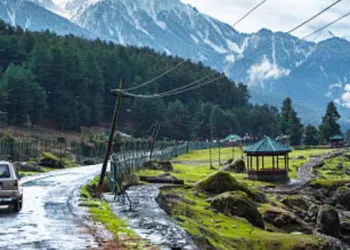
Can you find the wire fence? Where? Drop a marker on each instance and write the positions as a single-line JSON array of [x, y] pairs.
[[131, 159]]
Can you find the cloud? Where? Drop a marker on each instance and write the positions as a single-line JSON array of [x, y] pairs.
[[345, 98], [265, 70], [277, 15]]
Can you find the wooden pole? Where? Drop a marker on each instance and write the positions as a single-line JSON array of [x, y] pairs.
[[112, 130], [154, 137]]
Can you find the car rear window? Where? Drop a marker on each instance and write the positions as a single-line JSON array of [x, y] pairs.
[[4, 172]]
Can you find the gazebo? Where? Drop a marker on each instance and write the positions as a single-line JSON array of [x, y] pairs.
[[336, 141], [257, 155]]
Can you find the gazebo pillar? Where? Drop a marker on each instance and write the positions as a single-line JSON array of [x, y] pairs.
[[277, 158]]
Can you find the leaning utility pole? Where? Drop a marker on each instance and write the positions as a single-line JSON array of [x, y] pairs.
[[154, 137], [112, 130]]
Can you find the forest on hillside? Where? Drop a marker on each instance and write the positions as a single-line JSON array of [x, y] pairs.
[[68, 80]]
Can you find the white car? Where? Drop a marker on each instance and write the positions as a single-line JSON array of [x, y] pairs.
[[11, 192]]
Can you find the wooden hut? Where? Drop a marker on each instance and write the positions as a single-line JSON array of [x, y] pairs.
[[336, 141], [268, 160]]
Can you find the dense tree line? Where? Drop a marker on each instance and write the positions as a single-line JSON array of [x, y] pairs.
[[68, 80]]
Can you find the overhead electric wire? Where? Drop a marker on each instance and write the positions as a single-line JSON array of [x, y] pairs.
[[188, 85], [315, 16], [249, 12], [156, 78], [161, 95], [326, 26]]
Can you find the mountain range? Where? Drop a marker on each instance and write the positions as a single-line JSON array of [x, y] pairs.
[[273, 64]]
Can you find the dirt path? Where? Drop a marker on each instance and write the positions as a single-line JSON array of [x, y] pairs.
[[51, 217]]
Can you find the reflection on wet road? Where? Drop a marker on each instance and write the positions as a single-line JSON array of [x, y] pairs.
[[50, 218]]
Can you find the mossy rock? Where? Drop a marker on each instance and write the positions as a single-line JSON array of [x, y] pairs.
[[296, 201], [28, 167], [328, 220], [237, 166], [219, 182], [238, 204], [51, 161]]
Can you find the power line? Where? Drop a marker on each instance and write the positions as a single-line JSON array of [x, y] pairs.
[[188, 85], [161, 95], [315, 16], [156, 78], [326, 26], [249, 12]]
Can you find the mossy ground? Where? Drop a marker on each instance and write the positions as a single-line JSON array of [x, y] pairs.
[[192, 211], [101, 212], [223, 232]]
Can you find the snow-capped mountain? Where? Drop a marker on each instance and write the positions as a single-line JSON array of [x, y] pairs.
[[274, 65], [35, 15]]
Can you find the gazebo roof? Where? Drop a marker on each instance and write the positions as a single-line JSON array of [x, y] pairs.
[[233, 137], [267, 145], [336, 137]]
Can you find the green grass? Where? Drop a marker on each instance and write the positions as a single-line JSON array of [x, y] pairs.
[[224, 232], [200, 156], [101, 212]]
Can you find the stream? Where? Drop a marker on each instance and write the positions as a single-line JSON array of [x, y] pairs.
[[148, 220]]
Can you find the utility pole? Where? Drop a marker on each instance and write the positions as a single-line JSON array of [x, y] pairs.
[[112, 130], [154, 137], [211, 140]]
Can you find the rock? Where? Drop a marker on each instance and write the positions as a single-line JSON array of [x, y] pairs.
[[286, 221], [89, 162], [300, 157], [27, 167], [219, 182], [347, 172], [51, 161], [237, 166], [328, 221], [345, 227], [229, 161], [313, 210], [165, 166], [342, 197], [238, 204], [296, 202], [339, 166]]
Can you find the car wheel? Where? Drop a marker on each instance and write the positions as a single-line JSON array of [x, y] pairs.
[[18, 204]]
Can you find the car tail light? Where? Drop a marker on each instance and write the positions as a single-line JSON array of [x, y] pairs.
[[15, 185]]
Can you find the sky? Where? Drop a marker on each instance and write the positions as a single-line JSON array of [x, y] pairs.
[[279, 15]]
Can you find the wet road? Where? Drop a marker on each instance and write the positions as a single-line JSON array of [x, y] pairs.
[[51, 217]]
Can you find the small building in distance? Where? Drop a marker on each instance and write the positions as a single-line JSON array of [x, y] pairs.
[[336, 141], [268, 160]]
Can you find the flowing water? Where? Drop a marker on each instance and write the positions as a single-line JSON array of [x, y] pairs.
[[148, 220]]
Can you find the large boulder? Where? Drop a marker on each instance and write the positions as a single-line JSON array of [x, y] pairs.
[[297, 202], [219, 182], [328, 220], [51, 161], [286, 221], [28, 167], [342, 197], [165, 166], [238, 204], [236, 166]]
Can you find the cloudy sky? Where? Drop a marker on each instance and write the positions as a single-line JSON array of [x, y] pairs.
[[279, 15]]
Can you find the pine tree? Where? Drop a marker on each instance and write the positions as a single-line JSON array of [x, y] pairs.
[[25, 99], [329, 126], [310, 135]]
